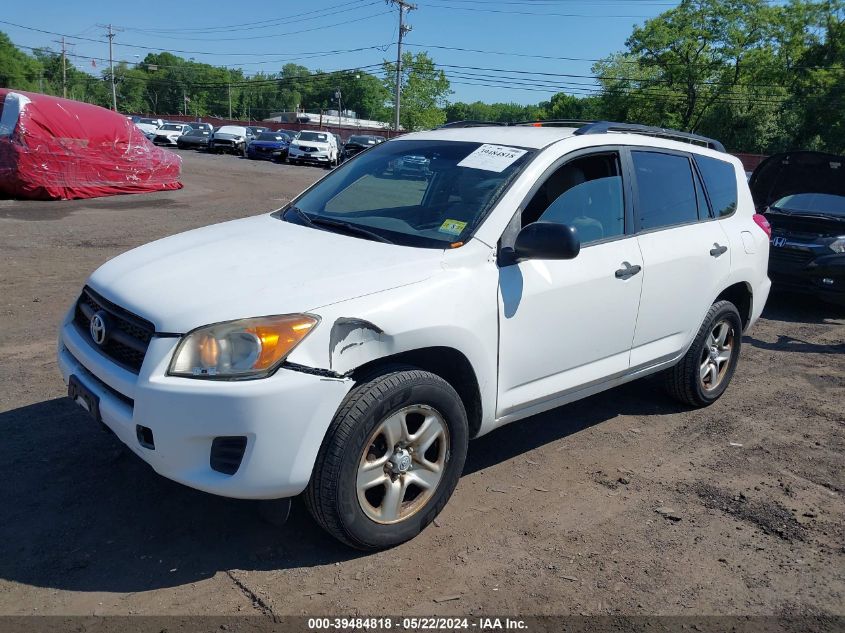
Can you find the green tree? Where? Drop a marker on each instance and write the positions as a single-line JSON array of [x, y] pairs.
[[424, 91], [17, 69]]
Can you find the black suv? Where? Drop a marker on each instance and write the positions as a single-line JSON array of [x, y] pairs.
[[802, 194]]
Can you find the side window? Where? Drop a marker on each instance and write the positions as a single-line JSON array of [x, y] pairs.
[[720, 180], [666, 190], [585, 193]]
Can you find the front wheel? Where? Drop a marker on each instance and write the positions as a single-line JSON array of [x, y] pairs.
[[390, 460], [705, 371]]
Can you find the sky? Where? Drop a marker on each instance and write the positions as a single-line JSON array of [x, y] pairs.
[[519, 51]]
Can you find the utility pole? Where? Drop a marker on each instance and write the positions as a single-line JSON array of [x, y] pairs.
[[110, 34], [64, 69], [403, 29], [64, 66], [230, 101], [337, 95]]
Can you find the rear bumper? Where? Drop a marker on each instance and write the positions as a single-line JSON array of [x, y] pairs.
[[283, 418]]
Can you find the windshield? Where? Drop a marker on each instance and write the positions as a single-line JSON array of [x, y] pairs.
[[149, 121], [171, 126], [822, 203], [272, 136], [362, 140], [199, 132], [314, 137], [417, 193]]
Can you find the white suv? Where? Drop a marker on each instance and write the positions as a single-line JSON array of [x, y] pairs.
[[349, 345], [316, 148]]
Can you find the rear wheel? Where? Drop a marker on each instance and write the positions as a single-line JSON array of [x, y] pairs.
[[705, 371], [391, 459]]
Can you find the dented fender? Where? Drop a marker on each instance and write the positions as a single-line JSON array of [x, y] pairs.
[[455, 308]]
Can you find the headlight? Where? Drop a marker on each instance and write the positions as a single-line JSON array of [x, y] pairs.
[[838, 245], [247, 348]]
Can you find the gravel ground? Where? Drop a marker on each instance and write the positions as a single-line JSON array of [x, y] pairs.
[[624, 503]]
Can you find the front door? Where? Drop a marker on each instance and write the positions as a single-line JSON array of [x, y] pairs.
[[566, 324]]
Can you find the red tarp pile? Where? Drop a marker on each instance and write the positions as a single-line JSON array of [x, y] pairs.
[[53, 148]]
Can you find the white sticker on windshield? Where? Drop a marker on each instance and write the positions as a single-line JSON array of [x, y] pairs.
[[492, 158]]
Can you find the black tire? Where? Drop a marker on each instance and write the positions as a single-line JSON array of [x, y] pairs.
[[332, 495], [683, 381]]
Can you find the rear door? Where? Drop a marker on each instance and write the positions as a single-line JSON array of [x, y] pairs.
[[685, 251]]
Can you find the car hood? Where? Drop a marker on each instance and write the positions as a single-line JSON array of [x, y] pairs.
[[226, 136], [146, 127], [797, 172], [253, 267]]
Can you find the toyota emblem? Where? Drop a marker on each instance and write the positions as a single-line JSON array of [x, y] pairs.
[[97, 327]]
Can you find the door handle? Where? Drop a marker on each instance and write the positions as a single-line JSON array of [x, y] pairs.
[[627, 271], [717, 250]]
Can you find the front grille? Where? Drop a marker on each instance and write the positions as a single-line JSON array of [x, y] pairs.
[[128, 335], [223, 141]]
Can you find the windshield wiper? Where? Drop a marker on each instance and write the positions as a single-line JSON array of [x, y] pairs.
[[348, 226], [301, 215], [315, 220]]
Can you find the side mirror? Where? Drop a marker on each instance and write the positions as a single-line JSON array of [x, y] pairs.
[[546, 240]]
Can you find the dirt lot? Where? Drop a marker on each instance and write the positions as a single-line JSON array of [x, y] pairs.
[[556, 515]]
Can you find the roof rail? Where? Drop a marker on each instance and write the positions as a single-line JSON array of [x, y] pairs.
[[455, 124], [555, 123], [603, 127]]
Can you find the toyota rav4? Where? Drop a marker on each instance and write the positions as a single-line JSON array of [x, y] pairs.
[[348, 345]]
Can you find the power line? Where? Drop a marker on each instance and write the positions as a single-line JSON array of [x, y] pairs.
[[262, 24]]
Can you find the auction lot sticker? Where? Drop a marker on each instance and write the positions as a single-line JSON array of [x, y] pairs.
[[492, 158]]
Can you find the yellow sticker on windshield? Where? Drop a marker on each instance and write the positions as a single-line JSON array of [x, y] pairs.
[[452, 227]]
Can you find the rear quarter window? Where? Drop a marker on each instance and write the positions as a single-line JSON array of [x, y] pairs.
[[720, 181]]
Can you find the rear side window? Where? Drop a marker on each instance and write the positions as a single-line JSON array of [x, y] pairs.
[[665, 190], [720, 181]]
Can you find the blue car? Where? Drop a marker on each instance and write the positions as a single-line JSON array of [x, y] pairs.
[[269, 146]]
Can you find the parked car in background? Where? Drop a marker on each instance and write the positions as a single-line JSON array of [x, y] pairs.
[[316, 148], [348, 345], [269, 146], [149, 126], [411, 166], [194, 139], [201, 126], [169, 133], [356, 144], [255, 130], [802, 195], [60, 149], [230, 138]]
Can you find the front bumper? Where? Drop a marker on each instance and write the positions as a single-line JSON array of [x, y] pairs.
[[283, 417], [822, 276], [225, 146], [309, 157], [166, 140], [266, 153]]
